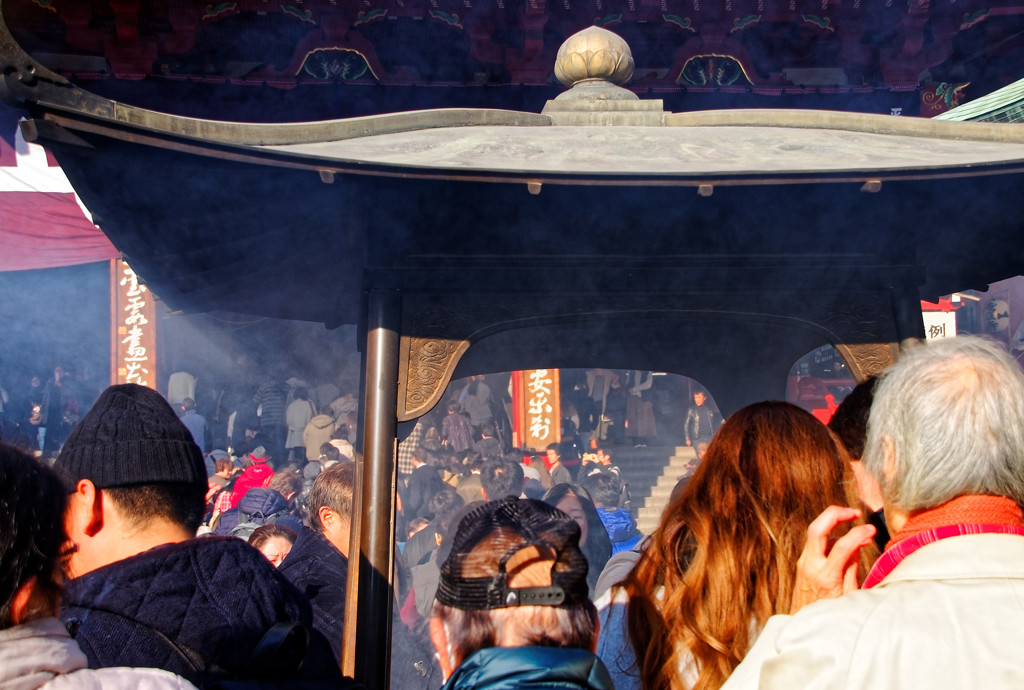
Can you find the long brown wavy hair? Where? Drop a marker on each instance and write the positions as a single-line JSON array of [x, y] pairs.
[[723, 558]]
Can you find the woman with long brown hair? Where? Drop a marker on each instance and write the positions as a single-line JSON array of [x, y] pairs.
[[723, 558]]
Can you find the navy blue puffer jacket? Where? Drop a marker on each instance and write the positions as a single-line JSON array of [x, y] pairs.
[[197, 608]]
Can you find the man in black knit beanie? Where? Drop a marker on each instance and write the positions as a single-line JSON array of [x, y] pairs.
[[142, 590]]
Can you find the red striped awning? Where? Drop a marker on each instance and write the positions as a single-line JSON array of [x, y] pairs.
[[42, 224]]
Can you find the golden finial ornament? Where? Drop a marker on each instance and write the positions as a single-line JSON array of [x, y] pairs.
[[594, 53]]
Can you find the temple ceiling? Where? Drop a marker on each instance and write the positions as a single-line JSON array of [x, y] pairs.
[[915, 58]]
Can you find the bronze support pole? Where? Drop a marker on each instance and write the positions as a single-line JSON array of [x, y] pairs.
[[370, 594]]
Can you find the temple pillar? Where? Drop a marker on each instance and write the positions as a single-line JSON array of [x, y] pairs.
[[370, 596]]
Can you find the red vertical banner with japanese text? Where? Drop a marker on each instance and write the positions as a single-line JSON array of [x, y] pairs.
[[538, 414], [133, 336]]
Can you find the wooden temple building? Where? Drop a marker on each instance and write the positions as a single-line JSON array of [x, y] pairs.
[[508, 185]]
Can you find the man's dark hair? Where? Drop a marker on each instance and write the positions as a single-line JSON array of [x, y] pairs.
[[425, 455], [471, 461], [332, 488], [850, 420], [487, 429], [500, 479], [604, 488], [555, 447], [443, 504], [178, 503], [264, 533], [330, 452], [32, 502], [301, 394]]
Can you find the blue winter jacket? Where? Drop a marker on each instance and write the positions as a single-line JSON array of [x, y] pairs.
[[197, 608], [256, 506], [622, 529], [320, 572]]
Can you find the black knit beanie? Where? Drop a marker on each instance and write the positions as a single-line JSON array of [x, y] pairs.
[[129, 437]]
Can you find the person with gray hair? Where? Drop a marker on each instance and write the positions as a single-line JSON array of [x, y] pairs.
[[943, 607]]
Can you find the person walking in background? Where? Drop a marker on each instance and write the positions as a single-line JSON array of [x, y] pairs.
[[559, 473], [456, 431], [318, 432], [194, 422], [702, 421], [270, 399], [180, 385], [476, 401], [606, 491], [298, 415], [59, 410]]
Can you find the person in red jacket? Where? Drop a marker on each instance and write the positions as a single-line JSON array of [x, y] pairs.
[[255, 476]]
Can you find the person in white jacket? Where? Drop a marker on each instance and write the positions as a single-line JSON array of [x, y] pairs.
[[298, 414], [36, 650], [943, 607]]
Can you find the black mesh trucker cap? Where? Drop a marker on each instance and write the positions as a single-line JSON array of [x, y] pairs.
[[495, 536]]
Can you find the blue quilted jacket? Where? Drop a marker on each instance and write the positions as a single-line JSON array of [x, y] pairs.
[[320, 572], [257, 505], [197, 608], [621, 527]]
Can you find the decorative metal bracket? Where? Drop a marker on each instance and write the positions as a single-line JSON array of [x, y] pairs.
[[867, 359], [424, 370]]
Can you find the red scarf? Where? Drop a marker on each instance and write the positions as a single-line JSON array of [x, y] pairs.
[[962, 515]]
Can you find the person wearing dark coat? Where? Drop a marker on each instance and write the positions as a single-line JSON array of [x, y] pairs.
[[489, 447], [197, 608], [320, 571], [141, 590], [424, 483], [318, 562], [702, 421], [260, 506]]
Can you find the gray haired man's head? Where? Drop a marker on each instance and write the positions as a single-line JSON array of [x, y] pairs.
[[948, 420]]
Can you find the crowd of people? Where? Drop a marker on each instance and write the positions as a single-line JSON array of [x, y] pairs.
[[38, 411], [883, 550]]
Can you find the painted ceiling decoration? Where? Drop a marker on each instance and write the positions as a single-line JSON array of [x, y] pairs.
[[335, 63], [713, 70], [945, 52]]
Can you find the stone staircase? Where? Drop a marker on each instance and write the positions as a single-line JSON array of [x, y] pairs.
[[652, 473]]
